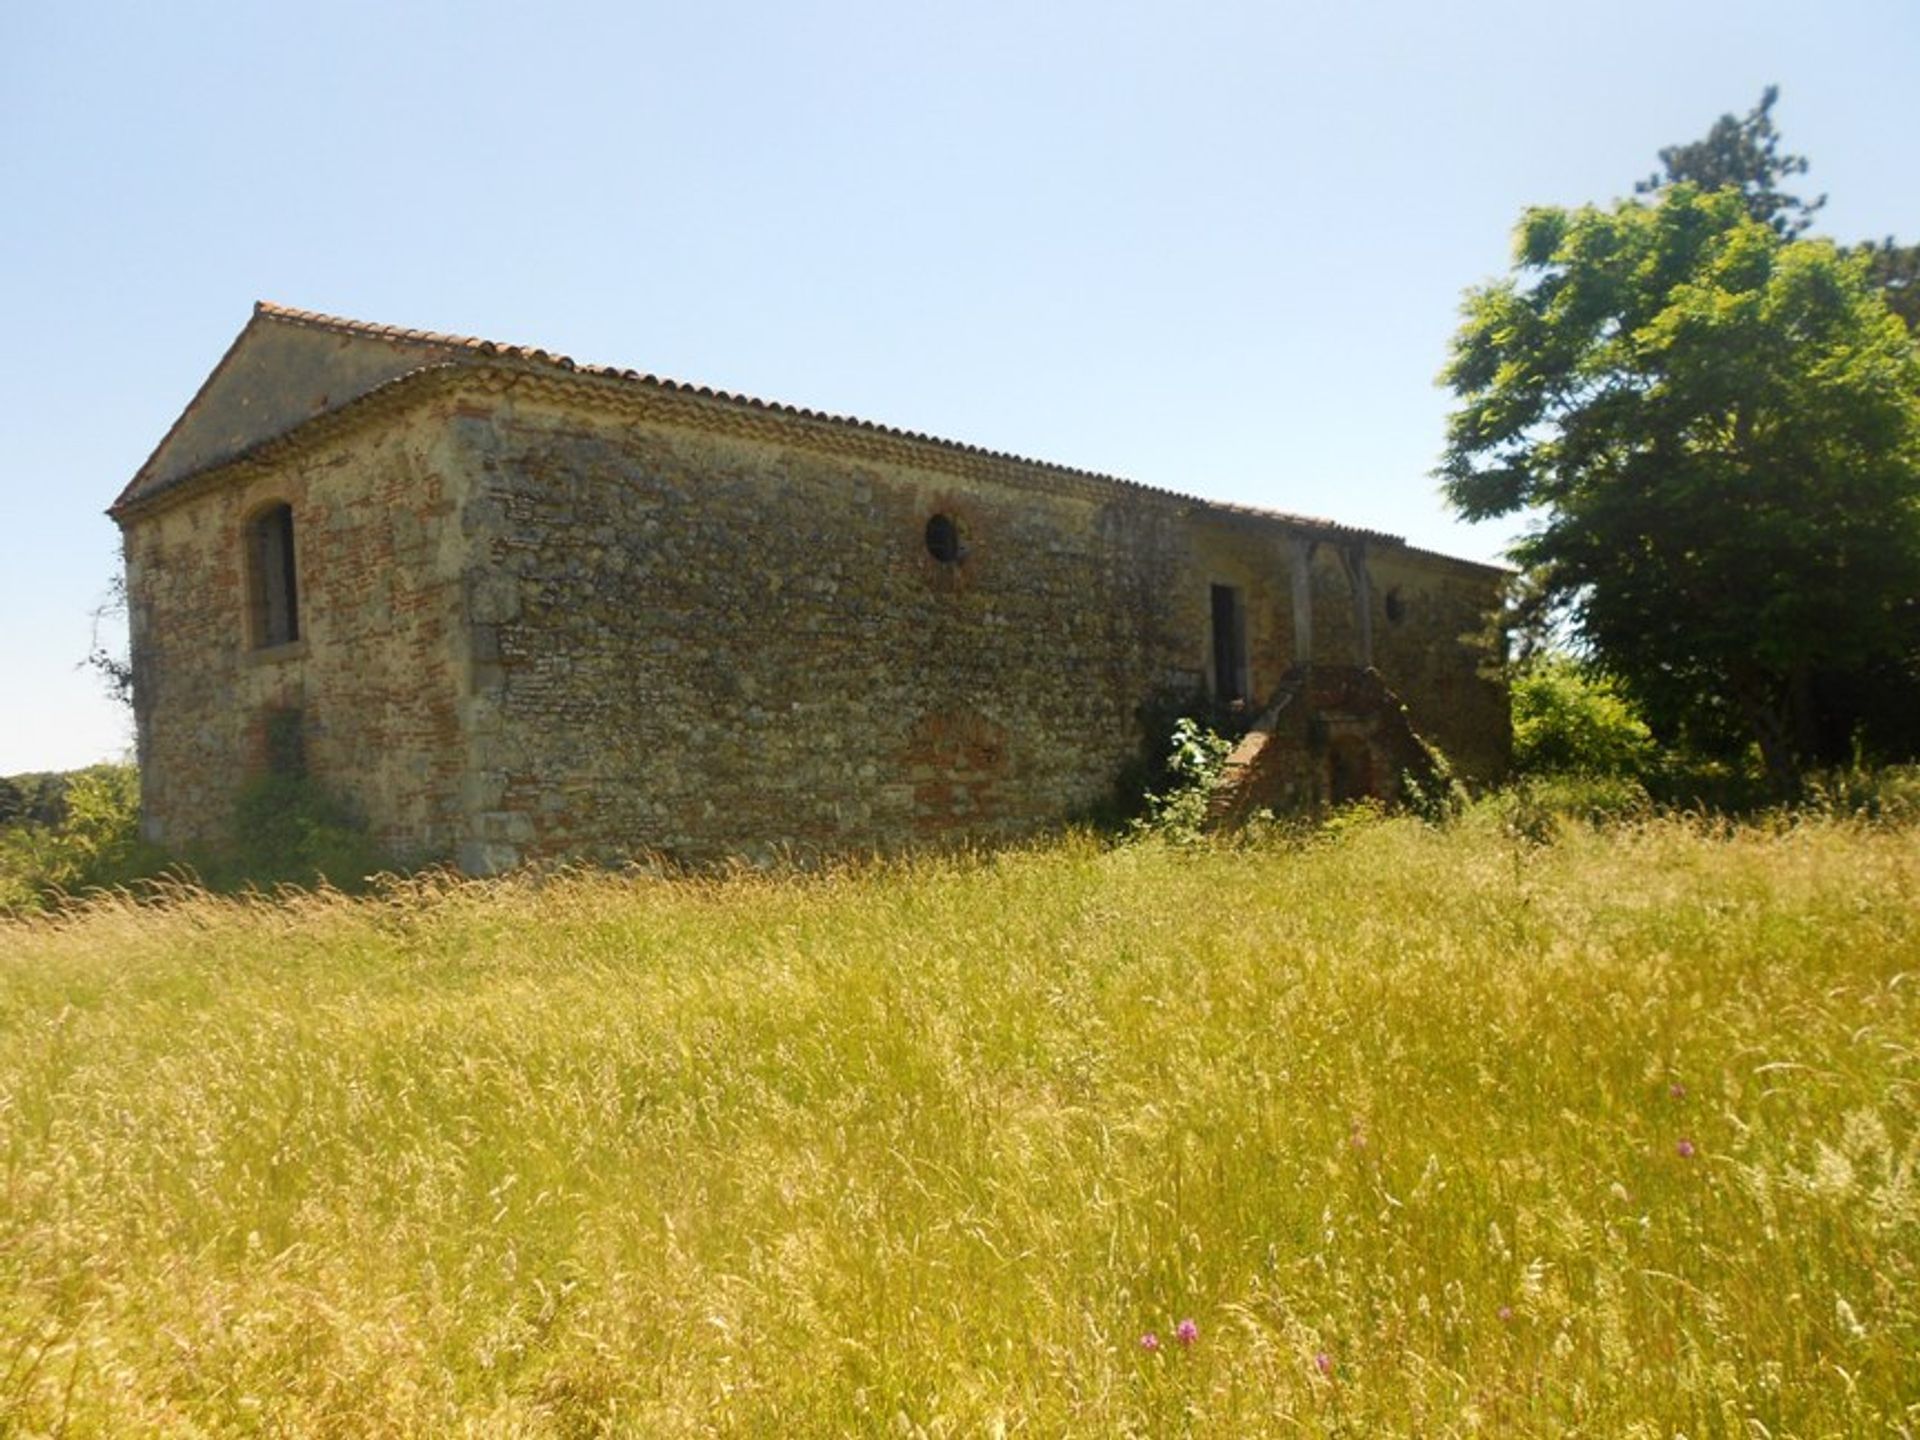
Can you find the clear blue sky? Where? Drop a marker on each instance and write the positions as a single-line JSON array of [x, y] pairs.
[[1216, 247]]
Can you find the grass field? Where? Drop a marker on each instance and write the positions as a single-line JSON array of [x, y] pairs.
[[1425, 1131]]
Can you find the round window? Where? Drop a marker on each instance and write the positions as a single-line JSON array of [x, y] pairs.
[[943, 540]]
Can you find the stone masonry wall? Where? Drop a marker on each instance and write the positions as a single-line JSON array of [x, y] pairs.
[[1253, 559], [1430, 617], [714, 644], [1428, 612], [374, 677]]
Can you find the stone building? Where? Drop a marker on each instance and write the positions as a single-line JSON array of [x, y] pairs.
[[513, 607]]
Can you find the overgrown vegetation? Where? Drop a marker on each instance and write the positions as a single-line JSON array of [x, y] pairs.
[[39, 798], [290, 830], [1567, 720], [1580, 748], [1196, 759], [1433, 1130], [78, 832], [1154, 769]]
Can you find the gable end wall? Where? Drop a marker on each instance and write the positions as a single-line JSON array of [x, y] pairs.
[[375, 676]]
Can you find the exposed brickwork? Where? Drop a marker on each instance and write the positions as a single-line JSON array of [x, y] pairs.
[[1332, 734], [374, 675]]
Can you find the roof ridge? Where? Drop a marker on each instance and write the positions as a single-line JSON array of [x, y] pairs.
[[347, 325]]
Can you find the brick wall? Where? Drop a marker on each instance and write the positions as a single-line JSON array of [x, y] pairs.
[[373, 678]]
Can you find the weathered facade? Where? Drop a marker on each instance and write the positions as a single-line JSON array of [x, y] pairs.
[[516, 608]]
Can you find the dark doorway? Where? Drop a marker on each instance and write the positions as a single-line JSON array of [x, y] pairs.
[[1349, 771], [1229, 645]]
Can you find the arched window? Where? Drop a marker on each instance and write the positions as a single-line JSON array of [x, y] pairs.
[[273, 597]]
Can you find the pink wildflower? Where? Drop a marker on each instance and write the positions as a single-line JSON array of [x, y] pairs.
[[1150, 1342], [1684, 1149], [1186, 1332], [1323, 1362], [1506, 1313]]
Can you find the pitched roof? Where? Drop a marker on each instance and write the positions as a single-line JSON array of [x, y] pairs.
[[253, 398]]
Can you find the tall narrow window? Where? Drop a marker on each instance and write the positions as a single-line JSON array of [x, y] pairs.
[[274, 597], [1229, 644]]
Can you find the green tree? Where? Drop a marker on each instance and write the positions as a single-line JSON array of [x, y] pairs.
[[1718, 430], [95, 841], [1742, 155]]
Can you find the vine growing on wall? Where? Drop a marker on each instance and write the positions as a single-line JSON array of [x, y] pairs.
[[108, 661]]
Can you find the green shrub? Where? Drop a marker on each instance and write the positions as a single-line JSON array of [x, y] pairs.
[[1196, 758], [1435, 795], [1890, 795], [38, 797], [1567, 720], [1147, 772], [95, 844], [1537, 810], [1690, 781], [289, 830], [1594, 799]]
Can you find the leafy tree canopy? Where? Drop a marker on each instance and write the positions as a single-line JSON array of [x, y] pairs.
[[1718, 430], [1895, 269], [1742, 155]]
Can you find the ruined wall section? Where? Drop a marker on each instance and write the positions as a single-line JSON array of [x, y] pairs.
[[1422, 606], [715, 642], [1430, 623], [372, 682]]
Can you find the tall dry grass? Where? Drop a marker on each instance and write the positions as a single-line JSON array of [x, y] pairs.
[[1434, 1132]]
